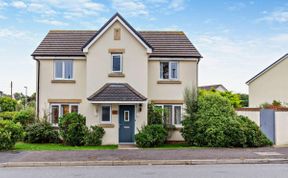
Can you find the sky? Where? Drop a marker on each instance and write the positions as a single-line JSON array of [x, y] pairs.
[[237, 39]]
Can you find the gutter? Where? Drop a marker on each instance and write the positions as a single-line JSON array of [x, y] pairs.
[[38, 86]]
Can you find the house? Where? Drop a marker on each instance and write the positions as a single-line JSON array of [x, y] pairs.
[[111, 75], [270, 84], [218, 87]]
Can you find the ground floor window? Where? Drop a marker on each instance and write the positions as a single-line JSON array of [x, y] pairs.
[[106, 114], [58, 110], [173, 113]]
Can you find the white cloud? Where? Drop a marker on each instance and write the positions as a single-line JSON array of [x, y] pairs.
[[9, 33], [2, 17], [3, 4], [235, 6], [41, 9], [18, 4], [177, 5], [52, 22], [130, 7], [280, 15], [234, 61]]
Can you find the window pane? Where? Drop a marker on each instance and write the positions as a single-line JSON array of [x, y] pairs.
[[164, 70], [173, 70], [55, 115], [58, 69], [64, 109], [106, 113], [177, 114], [68, 72], [74, 108], [126, 116], [168, 114], [117, 63]]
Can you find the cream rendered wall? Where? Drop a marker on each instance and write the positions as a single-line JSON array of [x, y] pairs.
[[187, 75], [252, 115], [135, 68], [272, 85], [281, 124], [49, 90]]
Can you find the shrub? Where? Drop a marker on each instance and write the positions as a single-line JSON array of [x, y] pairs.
[[94, 136], [151, 136], [155, 114], [254, 136], [73, 129], [216, 124], [25, 117], [7, 115], [41, 132], [7, 104], [10, 133]]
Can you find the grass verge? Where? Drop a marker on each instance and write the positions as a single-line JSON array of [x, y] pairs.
[[59, 147]]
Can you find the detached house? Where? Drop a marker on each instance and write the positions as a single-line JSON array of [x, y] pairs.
[[270, 84], [111, 75]]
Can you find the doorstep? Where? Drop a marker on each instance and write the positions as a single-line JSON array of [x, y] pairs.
[[126, 146]]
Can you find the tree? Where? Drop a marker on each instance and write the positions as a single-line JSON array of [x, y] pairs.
[[7, 104], [244, 99]]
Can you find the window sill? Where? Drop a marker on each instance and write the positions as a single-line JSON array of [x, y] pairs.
[[169, 82], [107, 125], [116, 74], [63, 81]]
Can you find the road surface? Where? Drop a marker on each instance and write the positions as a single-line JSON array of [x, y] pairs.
[[199, 171]]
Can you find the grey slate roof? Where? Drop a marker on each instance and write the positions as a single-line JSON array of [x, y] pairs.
[[209, 87], [70, 43], [117, 92]]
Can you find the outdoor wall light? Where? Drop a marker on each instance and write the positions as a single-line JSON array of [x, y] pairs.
[[140, 107]]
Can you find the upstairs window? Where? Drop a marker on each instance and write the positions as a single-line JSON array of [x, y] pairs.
[[169, 70], [116, 62], [63, 69]]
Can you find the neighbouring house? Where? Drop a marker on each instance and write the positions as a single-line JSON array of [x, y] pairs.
[[111, 75], [270, 84], [1, 93], [218, 87]]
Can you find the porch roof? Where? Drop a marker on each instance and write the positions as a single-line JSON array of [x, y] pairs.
[[117, 92]]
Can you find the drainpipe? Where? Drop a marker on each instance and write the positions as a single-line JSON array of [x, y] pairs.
[[38, 87]]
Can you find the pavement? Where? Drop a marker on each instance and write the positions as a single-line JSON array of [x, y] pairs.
[[145, 157]]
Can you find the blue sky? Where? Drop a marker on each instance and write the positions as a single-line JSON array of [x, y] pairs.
[[237, 38]]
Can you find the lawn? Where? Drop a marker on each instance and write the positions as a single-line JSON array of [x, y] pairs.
[[59, 147]]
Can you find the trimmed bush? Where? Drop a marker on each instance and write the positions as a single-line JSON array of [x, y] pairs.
[[151, 136], [41, 132], [8, 115], [10, 133], [73, 129], [7, 104], [25, 117], [94, 136]]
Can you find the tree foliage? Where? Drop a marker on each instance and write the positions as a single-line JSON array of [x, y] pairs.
[[7, 104]]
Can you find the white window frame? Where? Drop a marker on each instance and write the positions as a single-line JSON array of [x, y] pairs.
[[63, 70], [173, 112], [110, 119], [170, 71], [60, 113], [121, 62]]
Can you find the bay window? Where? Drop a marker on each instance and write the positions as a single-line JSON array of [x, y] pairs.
[[172, 113]]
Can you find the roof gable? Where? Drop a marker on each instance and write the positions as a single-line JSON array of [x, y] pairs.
[[108, 24], [267, 69]]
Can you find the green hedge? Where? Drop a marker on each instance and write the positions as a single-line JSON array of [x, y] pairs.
[[94, 136], [10, 133], [216, 125], [151, 136], [41, 132]]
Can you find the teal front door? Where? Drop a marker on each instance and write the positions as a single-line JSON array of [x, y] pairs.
[[126, 123]]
